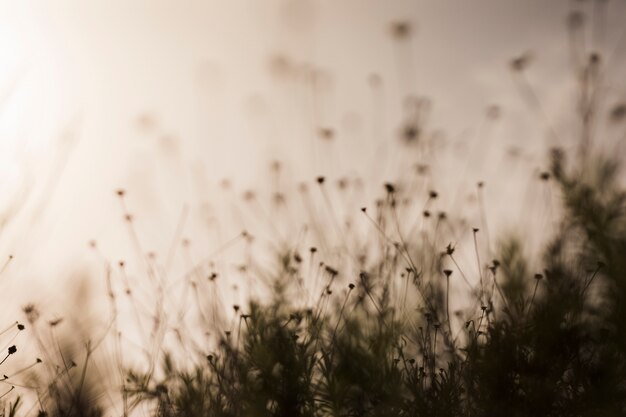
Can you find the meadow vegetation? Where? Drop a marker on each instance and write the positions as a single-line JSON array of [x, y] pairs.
[[380, 319]]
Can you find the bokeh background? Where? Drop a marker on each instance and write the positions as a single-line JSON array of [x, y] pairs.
[[186, 104]]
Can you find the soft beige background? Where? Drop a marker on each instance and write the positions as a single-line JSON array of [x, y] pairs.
[[168, 98]]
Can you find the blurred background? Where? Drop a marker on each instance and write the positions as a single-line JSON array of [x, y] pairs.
[[185, 105]]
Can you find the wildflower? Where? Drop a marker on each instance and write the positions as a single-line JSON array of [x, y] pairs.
[[520, 63], [280, 66], [55, 322], [279, 198], [422, 169], [401, 30], [410, 132], [31, 312], [331, 271], [493, 112], [248, 195], [494, 266], [326, 133], [618, 113], [575, 20]]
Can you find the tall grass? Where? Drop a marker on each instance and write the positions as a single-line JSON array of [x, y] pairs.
[[370, 311]]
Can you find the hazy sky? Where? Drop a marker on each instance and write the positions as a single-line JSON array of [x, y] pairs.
[[166, 98]]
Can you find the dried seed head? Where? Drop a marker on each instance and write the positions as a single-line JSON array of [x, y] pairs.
[[520, 63], [326, 133], [248, 195], [32, 314], [422, 169], [279, 198], [401, 30], [447, 272], [618, 113], [55, 322], [411, 132], [575, 20], [493, 112], [275, 166], [330, 270]]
